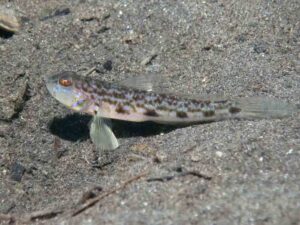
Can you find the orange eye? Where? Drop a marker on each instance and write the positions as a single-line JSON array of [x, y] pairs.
[[65, 82]]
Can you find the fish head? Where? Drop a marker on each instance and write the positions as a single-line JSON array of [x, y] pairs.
[[62, 87]]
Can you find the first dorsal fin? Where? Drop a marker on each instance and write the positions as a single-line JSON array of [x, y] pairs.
[[146, 82], [159, 83]]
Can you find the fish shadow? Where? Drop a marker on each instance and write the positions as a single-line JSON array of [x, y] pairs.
[[6, 34], [75, 127]]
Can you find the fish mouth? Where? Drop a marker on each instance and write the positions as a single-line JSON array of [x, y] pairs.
[[51, 78]]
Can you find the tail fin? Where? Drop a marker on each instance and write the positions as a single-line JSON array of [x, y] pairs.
[[264, 107]]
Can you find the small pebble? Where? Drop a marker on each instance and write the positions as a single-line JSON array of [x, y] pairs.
[[160, 157], [290, 151], [219, 153], [108, 65], [17, 171], [260, 48], [195, 158]]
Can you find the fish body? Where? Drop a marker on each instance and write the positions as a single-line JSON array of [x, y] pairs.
[[124, 103]]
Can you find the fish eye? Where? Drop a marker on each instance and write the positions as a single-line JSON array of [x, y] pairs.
[[65, 82]]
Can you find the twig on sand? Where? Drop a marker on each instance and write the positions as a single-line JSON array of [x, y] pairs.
[[91, 70], [100, 197], [31, 217], [43, 214]]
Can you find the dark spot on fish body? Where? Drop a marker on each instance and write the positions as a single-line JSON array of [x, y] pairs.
[[209, 113], [151, 113], [138, 97], [202, 105], [198, 107], [157, 100], [195, 102], [120, 109], [89, 83], [186, 104], [78, 84], [192, 110], [162, 96], [172, 102], [234, 110], [163, 108], [90, 89], [221, 101], [84, 87], [222, 104], [181, 114], [118, 95], [139, 105], [169, 101], [101, 92]]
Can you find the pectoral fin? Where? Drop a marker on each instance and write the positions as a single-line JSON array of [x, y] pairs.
[[102, 135]]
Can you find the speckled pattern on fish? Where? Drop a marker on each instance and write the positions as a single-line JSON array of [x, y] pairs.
[[120, 102]]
